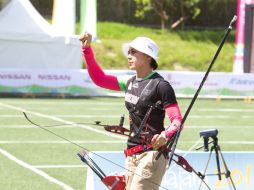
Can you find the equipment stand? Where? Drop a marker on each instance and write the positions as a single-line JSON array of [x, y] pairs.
[[219, 158]]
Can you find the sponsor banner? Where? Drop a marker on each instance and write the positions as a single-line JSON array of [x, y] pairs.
[[78, 83], [217, 84], [240, 164]]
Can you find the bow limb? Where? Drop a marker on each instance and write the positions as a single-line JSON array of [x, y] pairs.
[[83, 154], [114, 182], [49, 131], [63, 124], [44, 126], [187, 167]]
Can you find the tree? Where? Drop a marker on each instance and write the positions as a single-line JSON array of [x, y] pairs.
[[167, 10]]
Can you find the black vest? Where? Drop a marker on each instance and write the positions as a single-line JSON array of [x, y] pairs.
[[140, 95]]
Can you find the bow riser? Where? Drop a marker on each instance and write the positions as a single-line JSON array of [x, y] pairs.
[[117, 129]]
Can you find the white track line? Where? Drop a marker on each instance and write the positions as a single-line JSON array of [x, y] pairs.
[[226, 110], [35, 170], [187, 126], [69, 103], [118, 116], [105, 142], [88, 116], [31, 126], [61, 120], [10, 116], [226, 142], [66, 116], [59, 166], [218, 127], [61, 142], [211, 116], [237, 142]]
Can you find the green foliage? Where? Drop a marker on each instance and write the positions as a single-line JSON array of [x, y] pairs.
[[142, 7], [191, 5], [179, 50], [169, 10]]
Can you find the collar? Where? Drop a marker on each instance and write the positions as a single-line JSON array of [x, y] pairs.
[[147, 77]]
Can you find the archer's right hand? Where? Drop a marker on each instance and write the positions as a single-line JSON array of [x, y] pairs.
[[86, 39]]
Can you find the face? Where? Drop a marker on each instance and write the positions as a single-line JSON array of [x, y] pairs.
[[138, 60]]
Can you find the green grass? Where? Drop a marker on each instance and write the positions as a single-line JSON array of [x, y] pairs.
[[233, 119], [179, 50]]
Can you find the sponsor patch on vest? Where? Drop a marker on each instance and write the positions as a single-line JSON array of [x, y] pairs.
[[135, 85], [131, 98]]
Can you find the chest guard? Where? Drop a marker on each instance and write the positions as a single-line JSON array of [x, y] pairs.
[[140, 96]]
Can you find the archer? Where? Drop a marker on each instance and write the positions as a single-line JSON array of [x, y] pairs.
[[148, 97]]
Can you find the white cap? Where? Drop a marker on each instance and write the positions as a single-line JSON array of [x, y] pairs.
[[144, 45]]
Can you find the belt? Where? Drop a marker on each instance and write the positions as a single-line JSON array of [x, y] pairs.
[[136, 149]]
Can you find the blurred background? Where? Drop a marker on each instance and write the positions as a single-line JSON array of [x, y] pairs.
[[42, 73], [188, 33]]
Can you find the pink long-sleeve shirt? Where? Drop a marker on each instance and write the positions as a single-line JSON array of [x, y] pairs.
[[112, 83]]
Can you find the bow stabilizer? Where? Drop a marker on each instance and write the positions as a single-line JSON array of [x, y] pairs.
[[198, 90]]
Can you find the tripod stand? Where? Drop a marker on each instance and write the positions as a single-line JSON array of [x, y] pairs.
[[219, 159]]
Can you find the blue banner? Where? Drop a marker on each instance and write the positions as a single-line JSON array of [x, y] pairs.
[[240, 164]]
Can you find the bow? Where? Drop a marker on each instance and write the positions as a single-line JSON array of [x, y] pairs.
[[114, 182], [119, 129], [107, 180]]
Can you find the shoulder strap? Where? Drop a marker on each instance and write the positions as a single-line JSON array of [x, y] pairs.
[[130, 81]]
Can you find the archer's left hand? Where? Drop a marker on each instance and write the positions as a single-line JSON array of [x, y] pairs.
[[158, 141]]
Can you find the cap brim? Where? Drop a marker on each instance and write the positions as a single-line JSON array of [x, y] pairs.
[[125, 48]]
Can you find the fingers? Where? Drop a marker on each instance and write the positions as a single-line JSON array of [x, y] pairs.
[[86, 39], [157, 141]]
